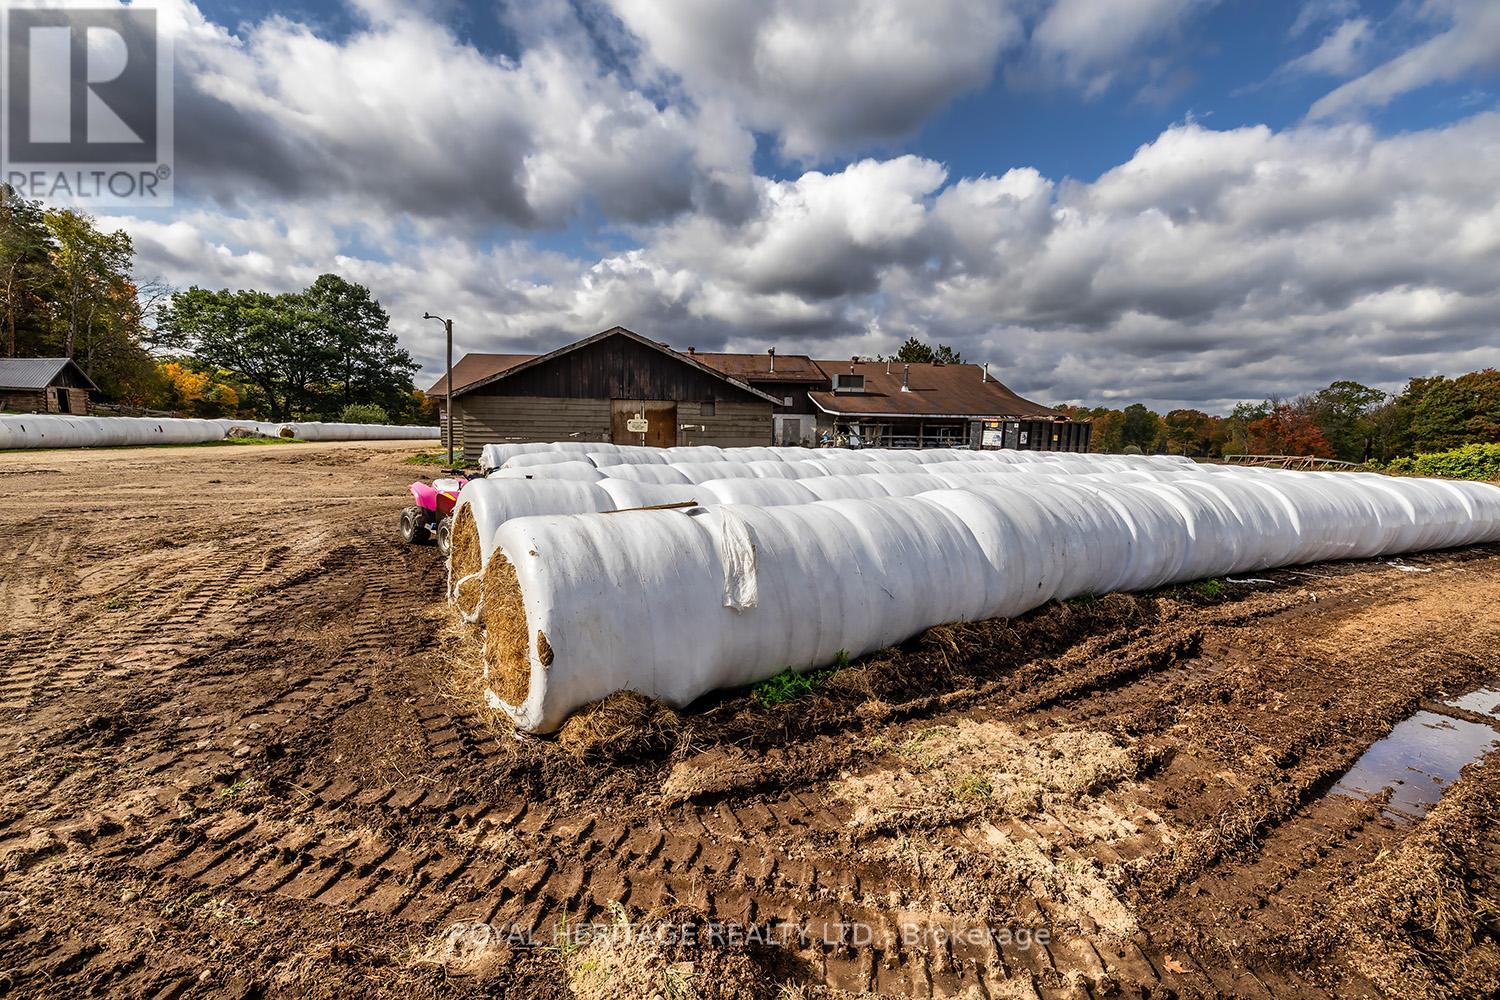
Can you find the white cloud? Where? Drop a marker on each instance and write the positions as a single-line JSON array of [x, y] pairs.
[[826, 77], [1088, 44], [1208, 267], [403, 116], [1469, 43], [1340, 53], [1316, 12]]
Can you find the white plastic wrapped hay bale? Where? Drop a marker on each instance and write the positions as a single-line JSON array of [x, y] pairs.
[[756, 492], [628, 456], [852, 487], [785, 470], [661, 474], [702, 472], [585, 606], [841, 466], [752, 454], [621, 574], [534, 459], [485, 504], [575, 469], [494, 456], [628, 494], [694, 453]]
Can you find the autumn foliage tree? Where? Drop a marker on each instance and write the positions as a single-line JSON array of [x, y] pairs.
[[1288, 430]]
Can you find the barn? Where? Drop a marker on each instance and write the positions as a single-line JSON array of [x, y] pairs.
[[614, 386], [619, 386], [44, 385]]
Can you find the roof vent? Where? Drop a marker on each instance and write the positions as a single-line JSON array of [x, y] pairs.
[[772, 352], [906, 378], [986, 376]]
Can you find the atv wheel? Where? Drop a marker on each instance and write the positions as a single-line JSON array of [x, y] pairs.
[[414, 525], [445, 535]]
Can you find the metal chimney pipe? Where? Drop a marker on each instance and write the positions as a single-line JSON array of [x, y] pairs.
[[772, 353], [986, 376], [906, 378]]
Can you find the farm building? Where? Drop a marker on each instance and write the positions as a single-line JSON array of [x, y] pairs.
[[894, 405], [44, 385], [600, 389], [614, 386]]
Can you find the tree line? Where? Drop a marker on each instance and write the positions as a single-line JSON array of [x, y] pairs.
[[1346, 421], [323, 352]]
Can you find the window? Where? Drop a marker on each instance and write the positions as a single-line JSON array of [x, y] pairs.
[[706, 408], [848, 382]]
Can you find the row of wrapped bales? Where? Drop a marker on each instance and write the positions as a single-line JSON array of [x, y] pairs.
[[575, 487], [532, 455], [676, 603], [59, 431], [320, 431], [66, 431]]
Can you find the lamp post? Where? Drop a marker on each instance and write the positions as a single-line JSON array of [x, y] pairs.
[[447, 385]]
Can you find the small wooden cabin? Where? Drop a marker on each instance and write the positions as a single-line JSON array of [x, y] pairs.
[[44, 385]]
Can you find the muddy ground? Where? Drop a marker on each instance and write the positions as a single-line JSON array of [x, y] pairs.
[[243, 757]]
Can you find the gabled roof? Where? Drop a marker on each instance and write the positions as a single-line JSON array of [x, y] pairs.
[[935, 391], [615, 331], [757, 367], [38, 373], [473, 367]]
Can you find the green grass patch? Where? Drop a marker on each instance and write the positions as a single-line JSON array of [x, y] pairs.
[[437, 458], [790, 685], [1212, 587], [974, 787]]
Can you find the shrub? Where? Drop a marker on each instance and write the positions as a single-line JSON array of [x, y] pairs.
[[1472, 461], [364, 413]]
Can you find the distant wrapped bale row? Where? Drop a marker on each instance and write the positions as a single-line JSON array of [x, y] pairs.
[[792, 558], [60, 431]]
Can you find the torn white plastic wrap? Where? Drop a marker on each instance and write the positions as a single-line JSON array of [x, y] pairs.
[[658, 601]]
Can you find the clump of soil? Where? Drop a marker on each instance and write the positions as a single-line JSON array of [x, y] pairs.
[[713, 772], [947, 773], [624, 726], [668, 959], [1415, 922]]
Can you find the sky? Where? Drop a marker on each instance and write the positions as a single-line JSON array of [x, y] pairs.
[[1177, 202]]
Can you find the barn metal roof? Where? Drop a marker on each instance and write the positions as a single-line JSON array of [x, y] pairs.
[[934, 391], [614, 331], [37, 373], [757, 367], [473, 368]]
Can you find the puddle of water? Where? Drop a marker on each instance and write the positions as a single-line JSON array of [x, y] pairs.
[[1485, 701], [1419, 758]]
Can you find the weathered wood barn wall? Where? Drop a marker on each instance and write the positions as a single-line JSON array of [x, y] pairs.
[[590, 391]]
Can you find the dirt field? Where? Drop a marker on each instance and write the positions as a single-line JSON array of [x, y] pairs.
[[243, 756]]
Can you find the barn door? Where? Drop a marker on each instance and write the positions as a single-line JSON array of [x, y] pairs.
[[661, 422]]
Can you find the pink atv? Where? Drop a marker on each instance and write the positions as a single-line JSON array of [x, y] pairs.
[[431, 518]]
